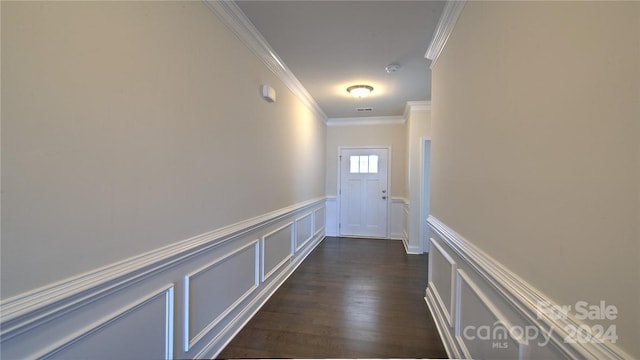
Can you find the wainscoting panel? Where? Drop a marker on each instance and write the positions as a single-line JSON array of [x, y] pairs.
[[442, 278], [187, 300], [304, 230], [483, 310], [276, 250], [332, 216], [397, 218], [405, 228], [478, 321], [318, 221], [206, 305], [148, 321]]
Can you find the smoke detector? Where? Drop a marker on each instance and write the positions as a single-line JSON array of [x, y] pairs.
[[392, 68]]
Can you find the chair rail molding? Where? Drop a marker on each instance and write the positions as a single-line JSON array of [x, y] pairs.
[[103, 307]]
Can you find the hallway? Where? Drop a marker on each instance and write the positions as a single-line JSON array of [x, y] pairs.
[[351, 298]]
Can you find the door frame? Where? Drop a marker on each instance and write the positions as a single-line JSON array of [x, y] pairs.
[[339, 197], [425, 192]]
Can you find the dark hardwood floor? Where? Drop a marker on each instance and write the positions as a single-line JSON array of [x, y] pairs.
[[351, 298]]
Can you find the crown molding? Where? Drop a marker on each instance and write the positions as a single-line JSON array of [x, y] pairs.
[[371, 120], [231, 15], [447, 22], [416, 106]]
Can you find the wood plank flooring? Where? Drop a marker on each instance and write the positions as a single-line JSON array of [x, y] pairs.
[[351, 298]]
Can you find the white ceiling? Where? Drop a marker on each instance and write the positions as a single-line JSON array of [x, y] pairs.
[[330, 45]]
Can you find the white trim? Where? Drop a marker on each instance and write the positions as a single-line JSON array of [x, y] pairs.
[[231, 15], [453, 266], [405, 229], [285, 259], [446, 23], [316, 230], [331, 216], [19, 312], [487, 304], [435, 308], [413, 250], [167, 291], [523, 298], [312, 233], [415, 106], [397, 222], [425, 193], [190, 342], [366, 121]]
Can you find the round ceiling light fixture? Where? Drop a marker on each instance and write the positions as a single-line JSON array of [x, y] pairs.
[[360, 91]]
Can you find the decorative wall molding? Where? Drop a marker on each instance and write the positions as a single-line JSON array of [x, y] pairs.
[[405, 228], [285, 243], [224, 336], [446, 23], [398, 220], [304, 230], [435, 305], [126, 271], [366, 121], [415, 106], [319, 217], [518, 298], [331, 207], [38, 322], [482, 304], [190, 341], [166, 294], [231, 15], [447, 311]]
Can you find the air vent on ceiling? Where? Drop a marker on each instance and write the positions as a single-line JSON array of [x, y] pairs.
[[364, 109]]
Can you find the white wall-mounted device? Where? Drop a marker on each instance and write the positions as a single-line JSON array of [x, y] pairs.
[[268, 93]]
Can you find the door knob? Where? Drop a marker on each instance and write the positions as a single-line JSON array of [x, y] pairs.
[[384, 191], [384, 198]]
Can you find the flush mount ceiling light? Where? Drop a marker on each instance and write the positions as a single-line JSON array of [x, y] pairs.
[[360, 91]]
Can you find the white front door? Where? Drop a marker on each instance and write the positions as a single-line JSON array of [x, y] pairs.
[[364, 195]]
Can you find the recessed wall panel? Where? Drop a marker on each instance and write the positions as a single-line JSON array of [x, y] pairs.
[[483, 332], [276, 250], [442, 277], [143, 330], [318, 221], [211, 292], [304, 230]]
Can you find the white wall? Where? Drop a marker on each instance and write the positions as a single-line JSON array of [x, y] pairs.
[[130, 126], [535, 160]]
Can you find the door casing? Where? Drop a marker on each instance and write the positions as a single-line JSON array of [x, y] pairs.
[[339, 183]]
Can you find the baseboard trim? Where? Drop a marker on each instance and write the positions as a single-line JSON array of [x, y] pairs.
[[521, 297], [438, 314]]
